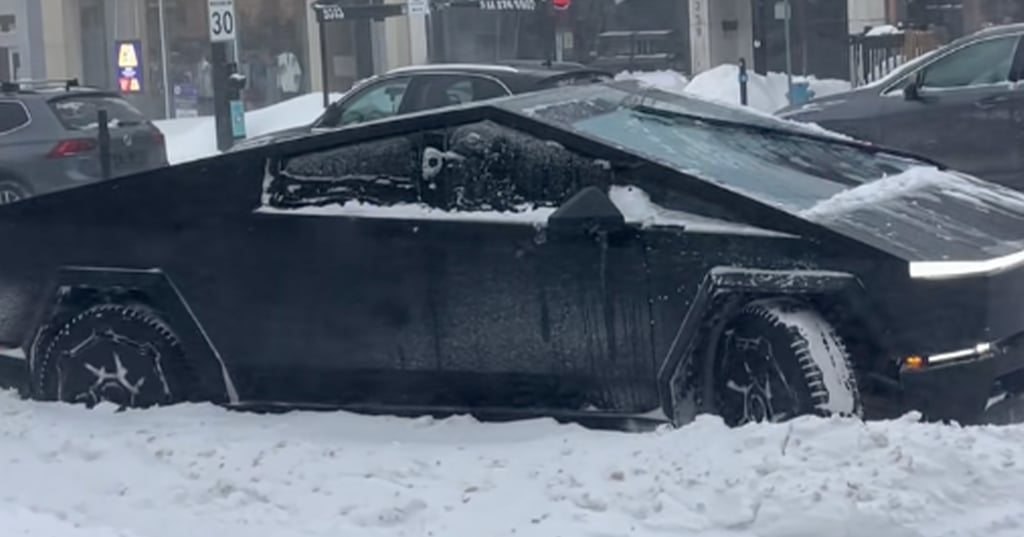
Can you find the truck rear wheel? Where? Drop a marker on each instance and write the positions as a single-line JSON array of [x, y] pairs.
[[117, 353], [778, 359]]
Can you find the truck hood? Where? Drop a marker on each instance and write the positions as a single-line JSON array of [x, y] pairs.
[[946, 224]]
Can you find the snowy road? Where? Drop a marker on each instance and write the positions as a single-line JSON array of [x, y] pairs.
[[201, 471]]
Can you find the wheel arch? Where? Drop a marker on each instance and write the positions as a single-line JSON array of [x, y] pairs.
[[839, 296], [7, 174], [74, 289]]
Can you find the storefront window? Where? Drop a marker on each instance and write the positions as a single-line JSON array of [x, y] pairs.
[[272, 52]]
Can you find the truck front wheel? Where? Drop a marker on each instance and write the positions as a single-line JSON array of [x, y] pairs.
[[777, 359]]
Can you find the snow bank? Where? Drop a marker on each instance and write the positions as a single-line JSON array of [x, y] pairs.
[[667, 80], [766, 93], [201, 471], [194, 138]]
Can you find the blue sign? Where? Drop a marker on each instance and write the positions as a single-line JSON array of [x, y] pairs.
[[128, 59], [237, 119]]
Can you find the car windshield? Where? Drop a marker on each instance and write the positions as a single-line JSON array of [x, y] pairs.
[[783, 164]]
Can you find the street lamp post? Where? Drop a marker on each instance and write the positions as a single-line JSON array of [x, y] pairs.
[[163, 60]]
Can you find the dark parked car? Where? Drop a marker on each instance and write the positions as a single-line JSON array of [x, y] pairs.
[[423, 87], [962, 104], [49, 138], [601, 251]]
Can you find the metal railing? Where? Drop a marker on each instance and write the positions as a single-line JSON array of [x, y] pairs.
[[874, 56]]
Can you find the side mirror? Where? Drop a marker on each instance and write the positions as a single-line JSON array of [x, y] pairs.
[[590, 211], [912, 91]]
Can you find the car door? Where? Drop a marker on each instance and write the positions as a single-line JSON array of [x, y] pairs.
[[526, 315], [961, 109], [421, 275]]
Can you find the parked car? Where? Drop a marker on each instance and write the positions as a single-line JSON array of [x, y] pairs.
[[962, 104], [49, 137], [423, 87], [595, 251]]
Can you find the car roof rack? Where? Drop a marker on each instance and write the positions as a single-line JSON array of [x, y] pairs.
[[15, 86]]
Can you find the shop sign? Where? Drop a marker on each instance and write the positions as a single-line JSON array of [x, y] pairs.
[[418, 7], [329, 12], [508, 5], [129, 65]]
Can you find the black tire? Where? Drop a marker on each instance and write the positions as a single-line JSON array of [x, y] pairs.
[[12, 191], [122, 354], [779, 359]]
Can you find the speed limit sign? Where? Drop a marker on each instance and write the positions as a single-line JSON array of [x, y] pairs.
[[222, 19]]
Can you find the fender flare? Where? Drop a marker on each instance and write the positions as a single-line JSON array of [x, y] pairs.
[[722, 291], [71, 285]]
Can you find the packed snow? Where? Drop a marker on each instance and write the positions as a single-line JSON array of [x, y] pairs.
[[917, 181], [637, 207], [883, 29], [194, 138], [765, 93], [202, 471], [667, 80]]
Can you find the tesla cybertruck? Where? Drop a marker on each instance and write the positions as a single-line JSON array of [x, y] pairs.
[[605, 251]]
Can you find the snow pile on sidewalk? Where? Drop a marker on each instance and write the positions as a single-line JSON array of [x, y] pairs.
[[766, 93], [204, 472], [195, 138], [667, 80]]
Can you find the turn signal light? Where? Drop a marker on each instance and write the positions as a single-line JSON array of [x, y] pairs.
[[913, 362]]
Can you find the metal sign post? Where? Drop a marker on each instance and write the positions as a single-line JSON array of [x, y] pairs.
[[784, 12], [163, 60], [326, 13], [744, 79], [228, 110]]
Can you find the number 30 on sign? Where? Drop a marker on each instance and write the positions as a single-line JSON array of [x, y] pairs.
[[222, 19]]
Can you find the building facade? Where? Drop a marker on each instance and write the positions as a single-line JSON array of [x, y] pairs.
[[21, 40], [277, 47]]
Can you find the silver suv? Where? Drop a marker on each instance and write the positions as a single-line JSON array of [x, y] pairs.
[[49, 138]]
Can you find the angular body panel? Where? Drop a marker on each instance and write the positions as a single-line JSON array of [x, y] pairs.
[[438, 261]]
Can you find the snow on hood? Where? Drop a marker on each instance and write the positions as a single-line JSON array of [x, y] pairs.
[[921, 182], [927, 215], [637, 208]]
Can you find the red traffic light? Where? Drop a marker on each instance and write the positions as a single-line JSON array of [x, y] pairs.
[[561, 4]]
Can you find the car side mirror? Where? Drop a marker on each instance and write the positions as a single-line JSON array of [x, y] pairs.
[[588, 212], [912, 91]]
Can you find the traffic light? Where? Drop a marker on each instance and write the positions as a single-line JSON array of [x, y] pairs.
[[561, 5]]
